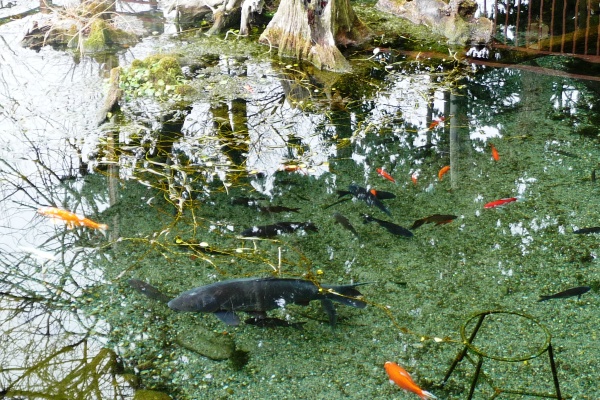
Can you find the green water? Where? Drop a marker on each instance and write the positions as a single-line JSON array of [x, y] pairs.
[[422, 289], [487, 259]]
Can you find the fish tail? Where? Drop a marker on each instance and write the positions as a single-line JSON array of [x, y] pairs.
[[337, 202], [367, 218], [346, 294], [426, 395], [544, 298]]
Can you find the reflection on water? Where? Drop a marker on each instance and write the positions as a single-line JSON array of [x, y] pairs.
[[265, 142]]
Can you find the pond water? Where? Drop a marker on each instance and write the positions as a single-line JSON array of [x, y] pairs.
[[285, 135]]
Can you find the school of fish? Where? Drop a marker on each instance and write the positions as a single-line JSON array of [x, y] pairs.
[[256, 296]]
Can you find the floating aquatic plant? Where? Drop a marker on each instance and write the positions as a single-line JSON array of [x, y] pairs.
[[157, 76]]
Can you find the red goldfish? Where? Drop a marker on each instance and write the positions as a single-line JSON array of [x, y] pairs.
[[387, 176], [400, 377], [495, 153], [436, 122], [501, 202], [70, 218], [443, 171]]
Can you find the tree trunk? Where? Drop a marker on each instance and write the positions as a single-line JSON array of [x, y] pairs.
[[311, 29]]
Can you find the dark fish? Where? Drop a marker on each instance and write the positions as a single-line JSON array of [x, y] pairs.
[[340, 219], [595, 229], [389, 226], [267, 322], [257, 295], [368, 197], [439, 219], [566, 153], [267, 231], [380, 194], [277, 209], [245, 201], [199, 247], [576, 291], [148, 290]]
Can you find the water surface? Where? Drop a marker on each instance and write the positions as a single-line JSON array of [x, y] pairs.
[[65, 292]]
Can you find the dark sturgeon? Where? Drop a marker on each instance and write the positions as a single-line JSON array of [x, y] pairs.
[[258, 295]]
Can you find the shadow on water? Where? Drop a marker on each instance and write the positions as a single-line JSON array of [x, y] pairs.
[[256, 142]]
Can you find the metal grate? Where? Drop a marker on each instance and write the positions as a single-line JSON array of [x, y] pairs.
[[546, 26]]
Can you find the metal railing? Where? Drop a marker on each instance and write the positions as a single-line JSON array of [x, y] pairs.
[[546, 26]]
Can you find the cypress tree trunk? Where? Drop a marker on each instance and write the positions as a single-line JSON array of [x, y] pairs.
[[311, 30]]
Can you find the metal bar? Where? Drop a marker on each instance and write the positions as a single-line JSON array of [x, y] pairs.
[[588, 9], [517, 24], [506, 20], [496, 18], [552, 24], [564, 27], [598, 42], [528, 32], [475, 378], [461, 355], [576, 26], [540, 25], [554, 374]]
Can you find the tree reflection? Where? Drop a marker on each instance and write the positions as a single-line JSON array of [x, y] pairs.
[[50, 347]]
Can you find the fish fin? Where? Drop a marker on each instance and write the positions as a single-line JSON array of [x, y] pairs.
[[544, 298], [426, 395], [330, 311], [337, 202], [229, 317], [347, 297], [367, 218]]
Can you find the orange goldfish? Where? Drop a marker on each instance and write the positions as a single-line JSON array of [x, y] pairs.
[[414, 179], [436, 122], [71, 219], [387, 176], [443, 171], [293, 168], [400, 377], [495, 154]]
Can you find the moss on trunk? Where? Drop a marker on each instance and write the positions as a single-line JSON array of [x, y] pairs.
[[311, 30]]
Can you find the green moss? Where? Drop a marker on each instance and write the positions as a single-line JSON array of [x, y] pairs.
[[98, 38], [102, 35], [157, 76]]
